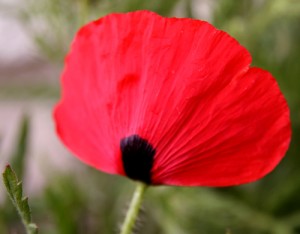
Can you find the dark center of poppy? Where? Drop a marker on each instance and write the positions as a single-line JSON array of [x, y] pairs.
[[137, 156]]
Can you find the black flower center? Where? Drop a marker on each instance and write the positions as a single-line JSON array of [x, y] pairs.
[[137, 156]]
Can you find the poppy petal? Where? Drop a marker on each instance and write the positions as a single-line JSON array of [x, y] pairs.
[[238, 136], [177, 91]]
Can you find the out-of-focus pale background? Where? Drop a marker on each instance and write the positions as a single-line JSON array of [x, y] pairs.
[[27, 82], [69, 197]]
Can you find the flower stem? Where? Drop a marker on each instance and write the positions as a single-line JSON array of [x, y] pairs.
[[134, 208]]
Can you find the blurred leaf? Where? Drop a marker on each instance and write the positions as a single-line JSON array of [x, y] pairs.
[[65, 205], [15, 193], [211, 212], [18, 157], [53, 24], [8, 214], [161, 7]]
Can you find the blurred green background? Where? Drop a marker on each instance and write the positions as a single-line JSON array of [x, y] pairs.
[[82, 200]]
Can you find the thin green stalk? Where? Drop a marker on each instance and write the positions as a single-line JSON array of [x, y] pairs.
[[133, 210], [15, 193]]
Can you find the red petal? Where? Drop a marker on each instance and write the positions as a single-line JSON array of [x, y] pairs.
[[180, 84], [237, 136]]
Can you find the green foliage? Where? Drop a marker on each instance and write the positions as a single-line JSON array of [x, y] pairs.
[[66, 206], [65, 17], [161, 7], [270, 30], [15, 193], [92, 202], [18, 162], [18, 157]]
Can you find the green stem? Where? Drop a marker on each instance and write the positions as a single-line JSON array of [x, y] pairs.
[[134, 208]]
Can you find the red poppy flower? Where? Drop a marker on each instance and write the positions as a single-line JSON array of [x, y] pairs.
[[170, 101]]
